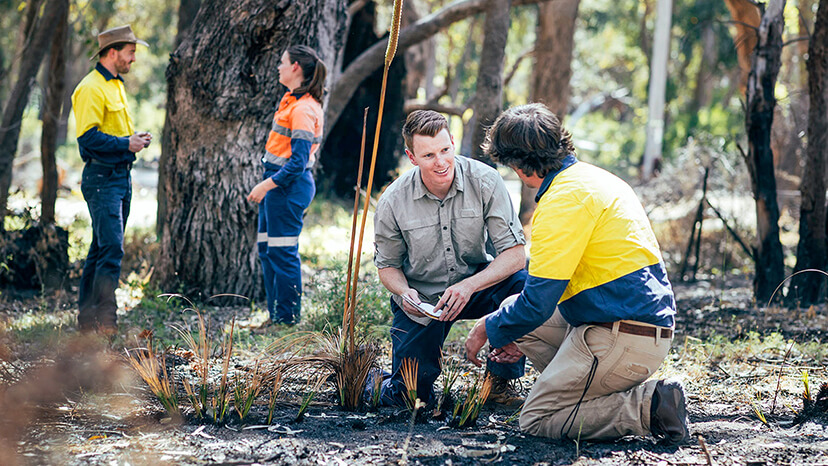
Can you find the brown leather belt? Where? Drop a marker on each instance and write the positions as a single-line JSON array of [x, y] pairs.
[[642, 330]]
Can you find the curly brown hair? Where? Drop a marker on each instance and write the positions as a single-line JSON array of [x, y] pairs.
[[529, 137]]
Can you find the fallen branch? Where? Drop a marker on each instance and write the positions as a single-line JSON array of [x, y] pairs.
[[732, 232], [779, 378], [706, 452]]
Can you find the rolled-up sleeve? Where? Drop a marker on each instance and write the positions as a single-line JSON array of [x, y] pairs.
[[389, 245], [502, 221]]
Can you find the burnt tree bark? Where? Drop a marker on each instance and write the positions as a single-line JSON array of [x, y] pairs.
[[554, 44], [187, 11], [488, 95], [30, 59], [811, 251], [51, 117], [223, 91], [770, 269], [339, 157]]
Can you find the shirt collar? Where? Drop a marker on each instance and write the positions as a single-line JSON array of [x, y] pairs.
[[106, 74], [290, 98], [568, 161]]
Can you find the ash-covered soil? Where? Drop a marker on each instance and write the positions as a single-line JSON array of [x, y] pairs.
[[125, 425]]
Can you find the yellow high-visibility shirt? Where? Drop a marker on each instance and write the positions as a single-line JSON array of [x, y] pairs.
[[102, 103]]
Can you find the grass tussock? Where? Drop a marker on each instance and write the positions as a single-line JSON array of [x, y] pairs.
[[246, 389], [209, 401], [350, 367], [408, 369], [451, 368], [466, 413], [154, 373]]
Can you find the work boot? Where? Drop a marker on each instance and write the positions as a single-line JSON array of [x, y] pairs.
[[504, 391], [668, 413]]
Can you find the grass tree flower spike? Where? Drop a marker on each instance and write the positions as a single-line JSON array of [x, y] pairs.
[[395, 33]]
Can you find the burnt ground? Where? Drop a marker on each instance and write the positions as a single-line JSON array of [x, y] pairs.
[[735, 359]]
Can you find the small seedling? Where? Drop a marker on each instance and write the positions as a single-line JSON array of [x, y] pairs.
[[757, 409], [465, 414], [313, 386], [245, 391], [451, 368], [408, 369], [376, 395], [807, 399]]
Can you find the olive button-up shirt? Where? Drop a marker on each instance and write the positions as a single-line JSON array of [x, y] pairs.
[[437, 243]]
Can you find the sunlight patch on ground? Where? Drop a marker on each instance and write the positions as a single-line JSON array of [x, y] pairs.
[[39, 319]]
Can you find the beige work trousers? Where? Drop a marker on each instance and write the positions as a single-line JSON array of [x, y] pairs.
[[617, 402]]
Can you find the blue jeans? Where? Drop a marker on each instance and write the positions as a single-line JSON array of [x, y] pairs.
[[424, 343], [108, 193], [280, 222]]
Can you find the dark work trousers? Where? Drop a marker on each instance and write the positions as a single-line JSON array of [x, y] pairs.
[[108, 193], [280, 222], [424, 343]]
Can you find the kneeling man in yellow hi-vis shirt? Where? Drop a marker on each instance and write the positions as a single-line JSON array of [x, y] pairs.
[[596, 315]]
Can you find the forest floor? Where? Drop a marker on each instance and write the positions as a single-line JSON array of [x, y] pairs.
[[738, 362]]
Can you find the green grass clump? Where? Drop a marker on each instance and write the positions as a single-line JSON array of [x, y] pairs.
[[325, 299]]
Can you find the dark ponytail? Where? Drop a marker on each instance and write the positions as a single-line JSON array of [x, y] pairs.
[[313, 70]]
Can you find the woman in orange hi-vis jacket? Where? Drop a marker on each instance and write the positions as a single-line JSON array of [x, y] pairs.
[[288, 187]]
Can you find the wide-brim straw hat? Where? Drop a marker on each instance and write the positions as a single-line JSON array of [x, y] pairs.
[[118, 35]]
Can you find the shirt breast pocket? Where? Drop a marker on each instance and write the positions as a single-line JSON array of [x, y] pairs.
[[115, 119], [468, 230], [422, 238]]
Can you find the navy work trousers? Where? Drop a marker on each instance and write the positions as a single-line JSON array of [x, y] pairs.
[[108, 193], [280, 222], [424, 343]]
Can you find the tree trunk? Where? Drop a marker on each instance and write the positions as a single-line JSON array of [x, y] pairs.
[[187, 11], [811, 251], [804, 25], [339, 158], [24, 35], [554, 44], [770, 269], [51, 117], [222, 92], [31, 56], [416, 56], [705, 78], [488, 94]]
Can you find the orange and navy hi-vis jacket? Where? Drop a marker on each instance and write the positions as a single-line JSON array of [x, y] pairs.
[[294, 137]]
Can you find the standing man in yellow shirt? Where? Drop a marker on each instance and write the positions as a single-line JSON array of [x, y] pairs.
[[108, 144]]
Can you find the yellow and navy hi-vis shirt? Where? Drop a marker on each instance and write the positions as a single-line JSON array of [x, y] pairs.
[[102, 120], [593, 253], [294, 137]]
